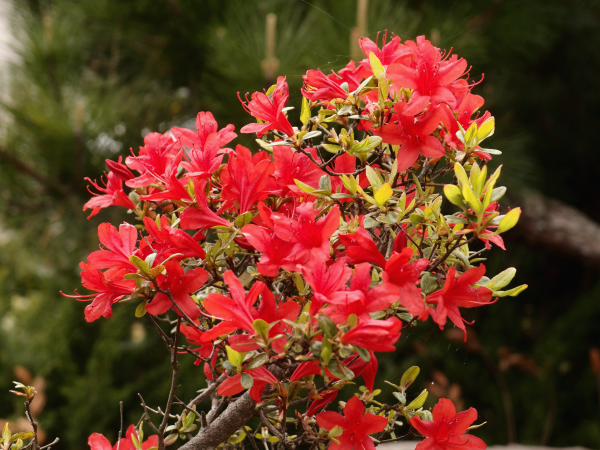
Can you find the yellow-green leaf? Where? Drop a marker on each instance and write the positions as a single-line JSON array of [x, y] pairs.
[[419, 401], [461, 174], [486, 129], [383, 194], [509, 220], [376, 65], [472, 200], [304, 187], [453, 194], [305, 112], [409, 377], [235, 358]]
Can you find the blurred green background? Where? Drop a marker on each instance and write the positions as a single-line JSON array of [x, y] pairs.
[[86, 80]]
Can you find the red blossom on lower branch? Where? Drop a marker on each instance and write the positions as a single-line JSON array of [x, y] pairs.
[[97, 441], [446, 430], [356, 425]]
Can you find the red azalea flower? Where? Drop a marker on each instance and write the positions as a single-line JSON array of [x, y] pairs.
[[97, 441], [349, 74], [375, 335], [274, 250], [413, 135], [324, 280], [290, 166], [113, 195], [260, 376], [245, 178], [321, 401], [430, 76], [389, 53], [398, 272], [458, 292], [272, 313], [236, 311], [360, 299], [317, 87], [468, 106], [269, 110], [206, 126], [155, 161], [200, 216], [356, 425], [181, 285], [167, 240], [174, 189], [309, 235], [111, 287], [121, 246], [119, 169], [205, 143], [446, 430]]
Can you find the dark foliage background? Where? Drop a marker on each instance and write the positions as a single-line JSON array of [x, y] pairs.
[[91, 78]]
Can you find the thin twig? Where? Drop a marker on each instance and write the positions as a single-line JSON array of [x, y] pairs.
[[146, 416], [47, 446], [175, 365], [121, 428]]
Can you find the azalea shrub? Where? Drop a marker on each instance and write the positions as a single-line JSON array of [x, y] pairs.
[[284, 270]]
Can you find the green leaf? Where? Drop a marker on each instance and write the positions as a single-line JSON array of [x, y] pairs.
[[498, 193], [486, 129], [419, 401], [259, 360], [139, 263], [429, 283], [472, 200], [374, 178], [509, 220], [304, 187], [23, 435], [339, 370], [325, 183], [362, 85], [327, 325], [453, 194], [305, 112], [366, 196], [376, 65], [311, 135], [262, 328], [400, 397], [460, 173], [493, 178], [363, 353], [409, 377], [243, 219], [502, 279], [383, 194], [512, 292], [235, 358], [246, 381], [349, 183], [171, 439], [6, 433], [331, 148], [140, 311], [471, 135]]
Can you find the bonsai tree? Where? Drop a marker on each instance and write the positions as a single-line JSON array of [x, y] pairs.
[[284, 271]]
